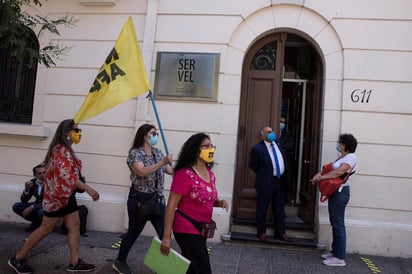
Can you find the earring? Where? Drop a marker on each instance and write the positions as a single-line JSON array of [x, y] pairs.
[[67, 137]]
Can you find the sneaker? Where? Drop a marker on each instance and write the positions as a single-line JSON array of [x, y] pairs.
[[81, 266], [121, 267], [20, 266], [333, 261], [326, 256]]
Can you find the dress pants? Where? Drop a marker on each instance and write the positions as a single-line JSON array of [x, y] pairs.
[[266, 193]]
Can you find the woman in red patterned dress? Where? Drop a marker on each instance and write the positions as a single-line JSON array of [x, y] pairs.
[[59, 201]]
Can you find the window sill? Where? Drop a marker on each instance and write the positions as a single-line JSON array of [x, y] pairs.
[[98, 2], [24, 130]]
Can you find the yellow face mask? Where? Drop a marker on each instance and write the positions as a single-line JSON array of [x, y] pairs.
[[76, 135], [206, 154]]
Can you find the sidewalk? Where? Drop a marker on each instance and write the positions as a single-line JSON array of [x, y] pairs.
[[50, 256]]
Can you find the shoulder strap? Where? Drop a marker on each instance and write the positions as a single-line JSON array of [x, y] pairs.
[[196, 224], [349, 174]]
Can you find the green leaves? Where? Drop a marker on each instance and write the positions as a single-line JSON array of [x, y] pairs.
[[17, 36]]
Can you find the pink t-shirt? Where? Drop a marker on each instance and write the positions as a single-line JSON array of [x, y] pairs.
[[197, 200]]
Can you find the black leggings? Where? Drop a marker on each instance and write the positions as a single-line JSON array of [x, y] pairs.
[[194, 248]]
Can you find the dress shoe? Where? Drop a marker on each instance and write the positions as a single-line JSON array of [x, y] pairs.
[[263, 237], [284, 237]]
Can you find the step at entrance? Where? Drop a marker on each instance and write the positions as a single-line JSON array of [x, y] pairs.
[[244, 232]]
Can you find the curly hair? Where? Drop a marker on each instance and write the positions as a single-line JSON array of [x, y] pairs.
[[349, 142], [140, 134], [190, 150]]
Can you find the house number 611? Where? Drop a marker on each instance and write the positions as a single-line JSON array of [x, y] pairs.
[[360, 96]]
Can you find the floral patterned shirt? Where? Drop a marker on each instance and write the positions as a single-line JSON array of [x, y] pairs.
[[62, 172], [147, 183]]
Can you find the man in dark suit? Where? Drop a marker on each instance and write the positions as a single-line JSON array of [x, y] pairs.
[[32, 211], [267, 162]]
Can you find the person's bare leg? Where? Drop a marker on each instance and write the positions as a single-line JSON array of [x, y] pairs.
[[47, 226], [72, 222]]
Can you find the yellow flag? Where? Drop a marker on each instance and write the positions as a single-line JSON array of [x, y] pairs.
[[121, 77]]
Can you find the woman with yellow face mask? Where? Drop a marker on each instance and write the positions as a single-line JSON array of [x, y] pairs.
[[193, 193], [59, 202]]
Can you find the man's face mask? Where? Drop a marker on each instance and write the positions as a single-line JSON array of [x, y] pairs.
[[271, 137], [206, 154], [76, 135]]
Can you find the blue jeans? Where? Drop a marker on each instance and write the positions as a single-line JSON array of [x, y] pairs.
[[34, 217], [136, 225], [336, 206]]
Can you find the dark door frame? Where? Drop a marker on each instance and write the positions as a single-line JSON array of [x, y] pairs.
[[245, 140]]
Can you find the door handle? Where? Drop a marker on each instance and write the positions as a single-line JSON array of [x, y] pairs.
[[306, 162]]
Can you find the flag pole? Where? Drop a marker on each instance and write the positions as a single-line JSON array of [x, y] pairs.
[[151, 98]]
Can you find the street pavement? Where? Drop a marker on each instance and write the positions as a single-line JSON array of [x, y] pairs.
[[51, 256]]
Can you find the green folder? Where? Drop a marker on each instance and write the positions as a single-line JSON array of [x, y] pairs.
[[174, 262]]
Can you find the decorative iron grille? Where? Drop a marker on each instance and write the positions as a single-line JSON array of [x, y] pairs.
[[265, 58]]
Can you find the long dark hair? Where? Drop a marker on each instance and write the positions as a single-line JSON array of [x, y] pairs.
[[60, 138], [190, 150], [140, 134]]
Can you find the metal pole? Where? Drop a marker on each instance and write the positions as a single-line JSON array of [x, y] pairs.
[[151, 98]]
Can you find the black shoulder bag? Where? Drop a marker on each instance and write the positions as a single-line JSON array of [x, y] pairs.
[[206, 229]]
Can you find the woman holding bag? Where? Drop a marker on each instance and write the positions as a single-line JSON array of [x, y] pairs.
[[193, 193], [61, 181], [147, 167], [338, 201]]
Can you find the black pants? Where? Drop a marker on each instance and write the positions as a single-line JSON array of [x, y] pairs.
[[136, 225], [194, 248], [266, 193], [83, 211]]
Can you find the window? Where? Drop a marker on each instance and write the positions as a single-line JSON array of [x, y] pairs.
[[17, 83]]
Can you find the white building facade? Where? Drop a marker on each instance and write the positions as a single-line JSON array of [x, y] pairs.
[[360, 51]]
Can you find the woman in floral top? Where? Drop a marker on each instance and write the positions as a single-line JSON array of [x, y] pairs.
[[59, 201], [147, 167], [194, 193]]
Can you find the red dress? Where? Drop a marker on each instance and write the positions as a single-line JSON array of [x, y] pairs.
[[62, 172]]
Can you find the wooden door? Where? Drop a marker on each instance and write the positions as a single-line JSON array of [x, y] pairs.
[[311, 148], [260, 106]]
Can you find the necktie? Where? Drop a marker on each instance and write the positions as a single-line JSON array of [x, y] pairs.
[[276, 160]]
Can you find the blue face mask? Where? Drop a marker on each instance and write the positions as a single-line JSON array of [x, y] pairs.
[[337, 148], [153, 140], [271, 137], [282, 126]]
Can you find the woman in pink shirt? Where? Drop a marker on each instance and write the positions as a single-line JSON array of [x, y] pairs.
[[193, 192]]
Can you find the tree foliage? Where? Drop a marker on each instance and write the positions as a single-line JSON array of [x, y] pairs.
[[17, 26]]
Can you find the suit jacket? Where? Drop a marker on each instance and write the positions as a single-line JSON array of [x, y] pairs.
[[261, 163], [34, 191]]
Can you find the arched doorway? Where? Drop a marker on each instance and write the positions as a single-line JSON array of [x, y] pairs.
[[281, 76]]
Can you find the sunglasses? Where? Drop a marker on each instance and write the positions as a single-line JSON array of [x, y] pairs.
[[153, 133], [77, 130], [208, 146]]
